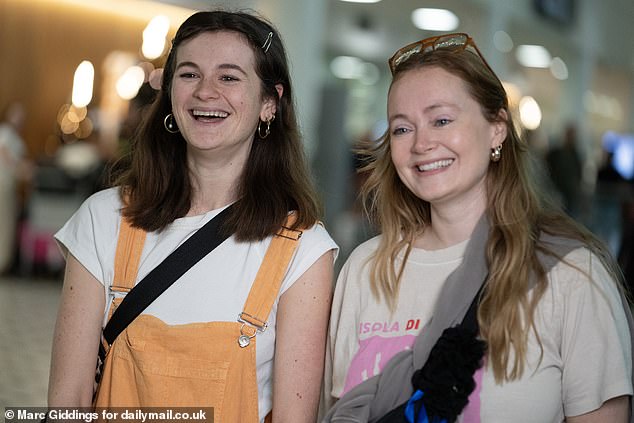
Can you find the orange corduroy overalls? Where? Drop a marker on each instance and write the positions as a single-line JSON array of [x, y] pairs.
[[153, 364]]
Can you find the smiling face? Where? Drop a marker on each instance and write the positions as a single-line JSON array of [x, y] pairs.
[[439, 139], [216, 94]]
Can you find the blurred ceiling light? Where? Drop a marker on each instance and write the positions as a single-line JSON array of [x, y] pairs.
[[350, 67], [77, 114], [129, 83], [62, 112], [533, 56], [559, 69], [361, 1], [83, 84], [85, 129], [502, 41], [530, 113], [67, 126], [346, 67], [435, 19], [154, 37], [147, 67]]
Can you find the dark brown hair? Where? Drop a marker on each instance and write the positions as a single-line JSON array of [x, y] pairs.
[[156, 183]]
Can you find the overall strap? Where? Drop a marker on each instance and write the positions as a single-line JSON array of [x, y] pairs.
[[126, 267], [127, 257], [268, 280]]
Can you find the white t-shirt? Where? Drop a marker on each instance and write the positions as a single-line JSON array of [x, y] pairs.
[[215, 289], [586, 360]]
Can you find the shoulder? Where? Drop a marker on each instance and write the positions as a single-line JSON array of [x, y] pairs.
[[91, 232], [98, 214], [575, 270], [105, 200], [104, 207], [317, 240], [568, 259], [581, 274], [364, 250], [354, 269], [574, 261], [317, 231], [314, 242]]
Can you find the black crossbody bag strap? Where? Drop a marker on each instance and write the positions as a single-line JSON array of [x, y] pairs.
[[165, 274]]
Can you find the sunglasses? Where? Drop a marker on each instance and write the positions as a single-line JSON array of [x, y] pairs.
[[457, 41]]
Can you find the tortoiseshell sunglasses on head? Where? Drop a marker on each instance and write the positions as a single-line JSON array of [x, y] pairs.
[[456, 40]]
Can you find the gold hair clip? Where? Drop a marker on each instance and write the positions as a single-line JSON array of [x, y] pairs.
[[267, 42]]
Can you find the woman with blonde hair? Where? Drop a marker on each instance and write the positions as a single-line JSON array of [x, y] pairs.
[[479, 301]]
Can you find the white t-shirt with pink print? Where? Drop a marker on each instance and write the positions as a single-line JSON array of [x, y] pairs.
[[585, 356], [364, 334]]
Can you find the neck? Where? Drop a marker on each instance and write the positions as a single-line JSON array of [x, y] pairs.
[[449, 226], [213, 186]]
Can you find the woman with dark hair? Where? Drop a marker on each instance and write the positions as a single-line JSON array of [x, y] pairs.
[[479, 301], [220, 140]]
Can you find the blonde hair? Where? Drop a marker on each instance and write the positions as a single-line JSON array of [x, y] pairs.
[[517, 211]]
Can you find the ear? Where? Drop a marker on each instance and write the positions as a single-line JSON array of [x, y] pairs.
[[280, 90], [499, 129], [269, 107]]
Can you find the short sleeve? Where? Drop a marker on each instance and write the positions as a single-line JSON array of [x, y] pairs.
[[595, 345], [314, 243], [341, 340], [343, 337], [90, 234]]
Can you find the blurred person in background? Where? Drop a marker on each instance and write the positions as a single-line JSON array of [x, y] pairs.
[[14, 169], [566, 170], [479, 301], [612, 194], [614, 210], [352, 225], [221, 137]]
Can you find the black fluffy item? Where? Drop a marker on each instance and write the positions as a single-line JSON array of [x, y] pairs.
[[446, 379]]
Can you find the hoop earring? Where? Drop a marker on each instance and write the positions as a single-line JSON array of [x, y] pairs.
[[496, 153], [267, 131], [170, 124]]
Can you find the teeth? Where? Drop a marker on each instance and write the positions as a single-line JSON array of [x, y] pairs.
[[201, 113], [434, 165]]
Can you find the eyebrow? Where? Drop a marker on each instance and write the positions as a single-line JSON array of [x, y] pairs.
[[425, 110], [397, 116], [221, 66]]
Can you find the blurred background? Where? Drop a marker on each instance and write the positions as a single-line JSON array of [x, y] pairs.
[[73, 82]]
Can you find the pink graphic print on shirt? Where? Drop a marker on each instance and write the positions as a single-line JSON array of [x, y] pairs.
[[471, 413], [373, 355]]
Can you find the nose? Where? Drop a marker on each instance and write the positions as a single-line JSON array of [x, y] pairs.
[[423, 142], [206, 89]]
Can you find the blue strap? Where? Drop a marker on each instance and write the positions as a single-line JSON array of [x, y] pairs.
[[409, 409], [422, 413]]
